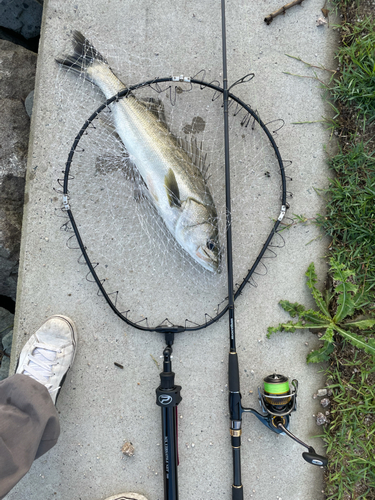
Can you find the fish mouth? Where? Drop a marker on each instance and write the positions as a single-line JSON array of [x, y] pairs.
[[206, 260]]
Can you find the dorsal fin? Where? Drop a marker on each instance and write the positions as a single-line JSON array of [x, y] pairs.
[[195, 153], [171, 186]]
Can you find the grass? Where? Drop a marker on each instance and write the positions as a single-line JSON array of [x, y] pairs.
[[356, 58], [350, 212], [350, 435], [350, 222]]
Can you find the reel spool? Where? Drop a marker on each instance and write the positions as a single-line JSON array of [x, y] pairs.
[[277, 399]]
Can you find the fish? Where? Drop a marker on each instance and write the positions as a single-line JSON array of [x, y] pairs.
[[174, 177]]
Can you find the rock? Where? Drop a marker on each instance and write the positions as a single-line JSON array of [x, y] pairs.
[[325, 402], [22, 16], [17, 74], [7, 342], [321, 419], [17, 78], [29, 102], [4, 368], [322, 392], [6, 336], [6, 322]]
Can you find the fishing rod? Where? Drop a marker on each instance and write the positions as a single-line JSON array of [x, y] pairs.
[[233, 372], [277, 401]]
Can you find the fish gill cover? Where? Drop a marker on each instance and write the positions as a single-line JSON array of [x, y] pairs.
[[124, 233]]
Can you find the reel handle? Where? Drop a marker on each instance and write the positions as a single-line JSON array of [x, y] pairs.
[[313, 458], [310, 456]]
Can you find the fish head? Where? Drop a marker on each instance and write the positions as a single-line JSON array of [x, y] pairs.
[[197, 232]]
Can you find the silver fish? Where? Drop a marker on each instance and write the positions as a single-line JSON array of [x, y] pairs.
[[175, 183]]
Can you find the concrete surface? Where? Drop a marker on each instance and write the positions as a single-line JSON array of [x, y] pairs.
[[102, 406]]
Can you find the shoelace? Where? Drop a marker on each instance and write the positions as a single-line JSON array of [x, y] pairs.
[[41, 363]]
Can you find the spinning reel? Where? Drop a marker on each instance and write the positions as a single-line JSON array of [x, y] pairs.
[[277, 401]]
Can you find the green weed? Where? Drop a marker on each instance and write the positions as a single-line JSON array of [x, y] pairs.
[[350, 437], [356, 57], [350, 213], [346, 321]]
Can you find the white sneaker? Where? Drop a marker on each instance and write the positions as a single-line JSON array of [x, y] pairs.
[[127, 496], [49, 353]]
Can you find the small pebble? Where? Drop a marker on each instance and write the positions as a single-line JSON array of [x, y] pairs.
[[322, 392], [325, 402], [128, 449], [321, 419]]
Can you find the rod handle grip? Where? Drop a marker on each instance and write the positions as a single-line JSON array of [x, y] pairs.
[[233, 373]]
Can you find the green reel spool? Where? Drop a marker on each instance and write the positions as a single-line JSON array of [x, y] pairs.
[[277, 390]]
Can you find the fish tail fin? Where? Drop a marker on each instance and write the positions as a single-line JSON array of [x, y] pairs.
[[83, 57]]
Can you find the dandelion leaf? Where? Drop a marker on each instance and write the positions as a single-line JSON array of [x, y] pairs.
[[363, 324], [362, 342], [345, 290], [318, 297], [294, 309], [328, 336], [321, 355]]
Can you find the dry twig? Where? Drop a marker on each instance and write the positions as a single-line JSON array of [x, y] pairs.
[[282, 10]]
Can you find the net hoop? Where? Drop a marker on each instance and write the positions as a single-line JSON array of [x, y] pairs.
[[67, 208]]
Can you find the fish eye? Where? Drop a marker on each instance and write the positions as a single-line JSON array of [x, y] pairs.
[[211, 245]]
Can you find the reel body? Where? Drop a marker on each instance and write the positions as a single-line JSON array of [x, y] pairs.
[[277, 401]]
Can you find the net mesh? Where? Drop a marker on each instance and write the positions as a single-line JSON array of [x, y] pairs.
[[148, 275]]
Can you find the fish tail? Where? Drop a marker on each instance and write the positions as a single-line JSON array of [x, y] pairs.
[[83, 57]]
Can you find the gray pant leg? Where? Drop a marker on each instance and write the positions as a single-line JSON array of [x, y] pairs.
[[29, 427]]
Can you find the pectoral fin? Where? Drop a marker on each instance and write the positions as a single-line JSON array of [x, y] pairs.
[[171, 186]]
